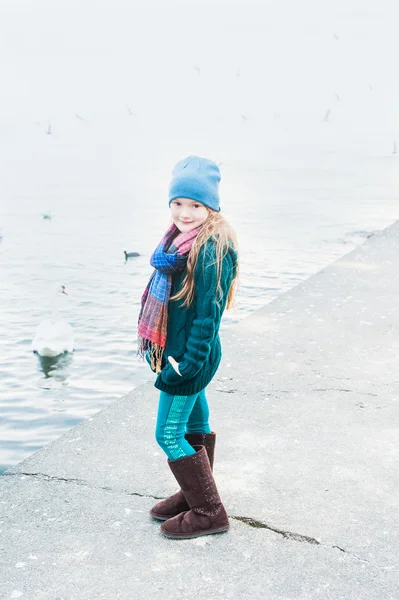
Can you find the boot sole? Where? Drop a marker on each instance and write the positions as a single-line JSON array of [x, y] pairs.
[[158, 517], [186, 536]]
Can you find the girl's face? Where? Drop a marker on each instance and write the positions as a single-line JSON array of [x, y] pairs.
[[188, 214]]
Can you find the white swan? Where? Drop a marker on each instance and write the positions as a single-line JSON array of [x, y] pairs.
[[54, 336]]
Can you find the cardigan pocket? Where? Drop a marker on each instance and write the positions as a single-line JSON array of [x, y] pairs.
[[170, 376]]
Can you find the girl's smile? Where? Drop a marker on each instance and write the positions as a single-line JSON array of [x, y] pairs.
[[188, 214]]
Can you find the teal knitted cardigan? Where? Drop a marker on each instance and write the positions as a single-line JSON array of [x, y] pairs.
[[193, 332]]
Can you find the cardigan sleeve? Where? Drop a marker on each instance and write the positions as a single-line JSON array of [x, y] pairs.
[[207, 313]]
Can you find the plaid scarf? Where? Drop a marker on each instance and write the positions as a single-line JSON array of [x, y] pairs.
[[168, 258]]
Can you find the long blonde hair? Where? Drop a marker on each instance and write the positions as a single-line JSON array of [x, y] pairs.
[[215, 228]]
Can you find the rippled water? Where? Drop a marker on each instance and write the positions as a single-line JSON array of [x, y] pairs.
[[290, 222]]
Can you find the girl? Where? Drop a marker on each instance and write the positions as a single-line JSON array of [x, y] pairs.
[[195, 279]]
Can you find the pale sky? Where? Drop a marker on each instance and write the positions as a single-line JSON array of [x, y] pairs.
[[238, 81]]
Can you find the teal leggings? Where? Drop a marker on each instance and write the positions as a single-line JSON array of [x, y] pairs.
[[178, 415]]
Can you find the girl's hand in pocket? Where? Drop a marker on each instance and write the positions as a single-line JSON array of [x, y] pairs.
[[174, 364]]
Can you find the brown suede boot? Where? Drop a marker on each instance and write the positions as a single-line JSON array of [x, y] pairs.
[[207, 514], [177, 503]]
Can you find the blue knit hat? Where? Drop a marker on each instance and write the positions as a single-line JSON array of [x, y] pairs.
[[198, 179]]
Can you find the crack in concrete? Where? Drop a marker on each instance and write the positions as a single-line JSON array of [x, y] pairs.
[[286, 534], [83, 483], [297, 537], [331, 390], [369, 562], [344, 390], [290, 535]]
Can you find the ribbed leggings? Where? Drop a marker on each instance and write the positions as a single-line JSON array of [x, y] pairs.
[[178, 415]]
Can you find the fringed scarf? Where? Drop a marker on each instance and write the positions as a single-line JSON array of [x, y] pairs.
[[168, 258]]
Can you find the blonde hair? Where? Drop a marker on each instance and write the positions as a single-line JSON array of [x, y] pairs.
[[217, 229]]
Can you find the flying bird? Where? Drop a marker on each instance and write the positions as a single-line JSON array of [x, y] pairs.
[[327, 115]]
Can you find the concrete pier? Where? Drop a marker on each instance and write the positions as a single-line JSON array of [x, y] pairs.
[[305, 406]]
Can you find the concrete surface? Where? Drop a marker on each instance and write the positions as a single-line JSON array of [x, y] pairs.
[[305, 406]]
